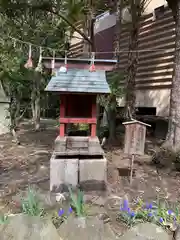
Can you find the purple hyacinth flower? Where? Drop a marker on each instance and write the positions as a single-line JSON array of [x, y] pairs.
[[70, 210], [128, 210], [161, 220], [125, 204], [132, 214], [150, 214], [169, 212], [61, 212], [150, 206]]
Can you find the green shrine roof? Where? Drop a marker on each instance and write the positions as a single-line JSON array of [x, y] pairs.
[[79, 81]]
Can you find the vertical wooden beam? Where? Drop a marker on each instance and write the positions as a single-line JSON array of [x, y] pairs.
[[62, 115], [93, 126]]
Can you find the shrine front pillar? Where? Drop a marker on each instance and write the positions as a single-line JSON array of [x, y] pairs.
[[62, 115], [93, 125]]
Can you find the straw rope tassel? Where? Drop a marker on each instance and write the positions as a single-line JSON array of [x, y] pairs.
[[92, 67], [39, 66], [29, 63], [53, 64], [65, 62]]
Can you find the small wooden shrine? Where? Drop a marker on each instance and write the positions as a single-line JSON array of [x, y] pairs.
[[78, 160], [78, 88]]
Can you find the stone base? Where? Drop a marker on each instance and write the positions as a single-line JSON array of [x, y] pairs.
[[90, 174], [93, 174], [77, 161], [63, 172]]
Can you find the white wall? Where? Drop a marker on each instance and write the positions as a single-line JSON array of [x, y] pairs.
[[4, 112], [105, 22], [154, 4], [4, 122], [158, 99]]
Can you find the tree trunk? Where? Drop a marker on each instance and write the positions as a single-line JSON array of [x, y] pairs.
[[14, 113], [130, 98], [111, 110], [112, 119], [35, 103], [173, 136], [37, 112]]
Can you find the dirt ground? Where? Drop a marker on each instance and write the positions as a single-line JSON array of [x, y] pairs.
[[28, 163]]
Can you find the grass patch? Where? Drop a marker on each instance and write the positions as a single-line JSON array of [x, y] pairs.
[[31, 205]]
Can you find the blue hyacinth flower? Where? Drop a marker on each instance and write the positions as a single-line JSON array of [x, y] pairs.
[[70, 210], [161, 220], [61, 212], [149, 206], [125, 204], [132, 214], [170, 212], [150, 214]]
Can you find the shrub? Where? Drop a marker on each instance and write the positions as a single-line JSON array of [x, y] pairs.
[[165, 157]]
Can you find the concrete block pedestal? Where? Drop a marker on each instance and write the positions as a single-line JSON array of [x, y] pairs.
[[93, 174], [63, 172], [77, 161]]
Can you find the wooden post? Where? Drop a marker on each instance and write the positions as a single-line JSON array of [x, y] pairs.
[[131, 167], [62, 115]]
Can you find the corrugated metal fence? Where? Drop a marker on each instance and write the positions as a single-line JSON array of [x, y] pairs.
[[156, 45]]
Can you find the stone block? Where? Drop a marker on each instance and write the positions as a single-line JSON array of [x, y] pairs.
[[63, 172], [95, 147], [60, 144], [71, 171], [93, 174], [77, 142]]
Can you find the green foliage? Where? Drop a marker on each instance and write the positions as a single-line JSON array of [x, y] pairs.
[[83, 127], [102, 131], [77, 202], [31, 205], [159, 212], [167, 157], [4, 219], [57, 220], [115, 80]]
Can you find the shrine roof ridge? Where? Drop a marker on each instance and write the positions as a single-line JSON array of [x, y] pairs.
[[79, 81]]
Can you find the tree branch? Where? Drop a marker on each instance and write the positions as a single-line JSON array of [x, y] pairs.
[[71, 25], [11, 8]]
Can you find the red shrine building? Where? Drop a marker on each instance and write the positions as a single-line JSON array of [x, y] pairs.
[[78, 88]]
